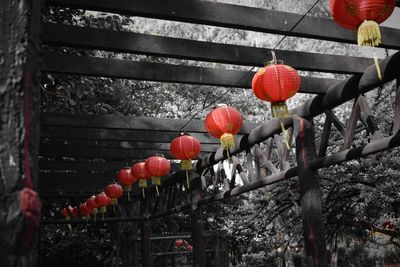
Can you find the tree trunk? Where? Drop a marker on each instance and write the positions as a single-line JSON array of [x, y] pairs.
[[310, 194], [19, 131]]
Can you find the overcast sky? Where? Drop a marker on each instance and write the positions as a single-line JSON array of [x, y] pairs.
[[394, 20]]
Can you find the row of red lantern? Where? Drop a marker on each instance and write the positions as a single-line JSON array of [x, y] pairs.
[[181, 243]]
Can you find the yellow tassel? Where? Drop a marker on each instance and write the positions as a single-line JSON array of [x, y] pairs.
[[280, 111], [143, 185], [187, 179], [227, 141], [129, 196], [368, 34], [127, 188], [94, 211], [378, 68], [103, 209], [144, 196], [186, 164], [157, 181], [114, 201]]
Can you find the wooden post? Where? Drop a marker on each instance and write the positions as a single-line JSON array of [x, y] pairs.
[[217, 250], [145, 233], [310, 193], [396, 119], [19, 131], [199, 242]]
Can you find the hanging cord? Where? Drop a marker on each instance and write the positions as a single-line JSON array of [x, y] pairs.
[[246, 74]]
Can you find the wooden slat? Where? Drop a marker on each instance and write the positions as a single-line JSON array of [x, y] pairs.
[[396, 118], [232, 16], [125, 42], [119, 144], [336, 122], [368, 118], [125, 69], [118, 135], [325, 137], [82, 165], [351, 125], [99, 152], [129, 123], [74, 182]]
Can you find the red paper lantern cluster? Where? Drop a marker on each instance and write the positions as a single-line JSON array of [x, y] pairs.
[[140, 173], [114, 191], [180, 243], [224, 122], [186, 148]]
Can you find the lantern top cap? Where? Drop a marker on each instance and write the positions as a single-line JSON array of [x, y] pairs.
[[274, 61], [222, 105], [184, 134]]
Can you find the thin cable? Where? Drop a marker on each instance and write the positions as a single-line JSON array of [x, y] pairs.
[[249, 71]]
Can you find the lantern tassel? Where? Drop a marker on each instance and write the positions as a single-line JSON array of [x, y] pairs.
[[227, 142], [378, 68], [157, 181], [114, 209], [129, 196], [368, 34], [95, 217], [144, 196], [186, 165], [280, 111], [143, 185]]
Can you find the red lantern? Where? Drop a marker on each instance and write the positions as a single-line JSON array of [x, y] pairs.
[[189, 248], [139, 172], [178, 242], [224, 122], [67, 212], [126, 178], [92, 204], [114, 191], [102, 201], [157, 166], [85, 210], [186, 148], [363, 15], [276, 83]]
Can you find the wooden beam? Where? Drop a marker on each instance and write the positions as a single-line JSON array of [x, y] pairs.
[[128, 42], [50, 165], [129, 123], [51, 151], [231, 16], [119, 144], [118, 135], [125, 69]]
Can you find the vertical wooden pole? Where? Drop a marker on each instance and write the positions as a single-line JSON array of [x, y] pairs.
[[199, 242], [19, 131], [310, 193], [145, 233], [217, 250]]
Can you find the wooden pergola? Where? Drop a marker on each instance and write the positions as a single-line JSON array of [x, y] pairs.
[[72, 156]]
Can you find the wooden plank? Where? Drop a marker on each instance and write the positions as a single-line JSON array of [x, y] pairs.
[[129, 123], [119, 144], [310, 195], [326, 132], [82, 165], [231, 16], [119, 135], [128, 42], [368, 118], [74, 182], [125, 69], [336, 122], [351, 125], [98, 152]]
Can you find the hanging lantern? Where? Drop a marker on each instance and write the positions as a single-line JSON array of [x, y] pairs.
[[224, 122], [365, 16], [114, 191], [157, 166], [92, 204], [189, 248], [139, 172], [67, 212], [126, 178], [102, 201], [186, 148], [85, 210], [178, 243], [276, 83]]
